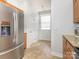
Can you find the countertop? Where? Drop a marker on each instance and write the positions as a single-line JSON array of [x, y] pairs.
[[74, 40]]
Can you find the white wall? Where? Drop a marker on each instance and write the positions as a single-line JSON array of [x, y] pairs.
[[45, 35], [33, 22], [62, 23], [32, 28], [37, 6]]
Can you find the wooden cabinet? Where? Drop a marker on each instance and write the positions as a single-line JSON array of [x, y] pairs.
[[25, 34], [76, 10], [67, 50]]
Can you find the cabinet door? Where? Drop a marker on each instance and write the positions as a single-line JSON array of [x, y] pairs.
[[76, 10], [64, 49], [68, 49]]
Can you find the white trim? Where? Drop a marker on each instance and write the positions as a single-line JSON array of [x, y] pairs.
[[29, 44], [57, 54]]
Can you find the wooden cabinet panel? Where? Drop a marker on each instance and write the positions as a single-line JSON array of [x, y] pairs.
[[25, 34], [76, 10], [68, 49]]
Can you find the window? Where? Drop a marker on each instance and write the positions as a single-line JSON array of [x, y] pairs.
[[45, 21]]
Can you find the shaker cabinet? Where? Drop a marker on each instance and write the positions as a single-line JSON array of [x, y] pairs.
[[76, 10], [67, 50]]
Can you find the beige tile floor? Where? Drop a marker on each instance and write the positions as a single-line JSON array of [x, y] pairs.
[[39, 50], [54, 57]]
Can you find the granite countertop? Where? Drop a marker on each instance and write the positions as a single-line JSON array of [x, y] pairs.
[[74, 40]]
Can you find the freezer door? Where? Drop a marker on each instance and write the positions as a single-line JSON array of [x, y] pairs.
[[19, 28]]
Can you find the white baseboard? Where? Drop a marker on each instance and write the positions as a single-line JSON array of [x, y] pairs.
[[57, 54], [30, 43]]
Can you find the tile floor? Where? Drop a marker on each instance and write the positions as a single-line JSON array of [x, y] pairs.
[[39, 50]]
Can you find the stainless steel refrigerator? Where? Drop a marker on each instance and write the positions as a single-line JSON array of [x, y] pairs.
[[11, 31]]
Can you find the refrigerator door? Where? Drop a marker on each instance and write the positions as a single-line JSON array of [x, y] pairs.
[[18, 28], [16, 52], [6, 37], [11, 33], [21, 28]]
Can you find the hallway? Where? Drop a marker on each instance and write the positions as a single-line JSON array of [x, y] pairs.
[[39, 50]]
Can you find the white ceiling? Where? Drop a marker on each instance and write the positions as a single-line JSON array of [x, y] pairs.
[[35, 5], [38, 5]]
